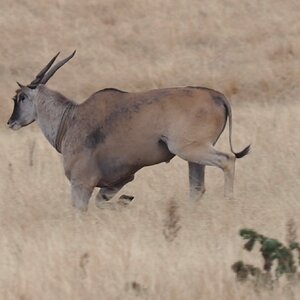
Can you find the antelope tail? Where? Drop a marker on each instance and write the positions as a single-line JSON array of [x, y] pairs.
[[246, 150]]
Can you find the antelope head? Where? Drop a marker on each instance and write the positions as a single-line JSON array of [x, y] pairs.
[[24, 112]]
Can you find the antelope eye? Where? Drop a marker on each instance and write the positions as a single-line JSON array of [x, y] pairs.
[[21, 97]]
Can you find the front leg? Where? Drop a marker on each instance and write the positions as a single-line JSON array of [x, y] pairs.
[[80, 196], [104, 195], [107, 193]]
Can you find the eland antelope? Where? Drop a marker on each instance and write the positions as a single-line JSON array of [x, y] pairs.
[[106, 139]]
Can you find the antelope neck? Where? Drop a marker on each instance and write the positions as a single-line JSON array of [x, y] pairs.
[[62, 128]]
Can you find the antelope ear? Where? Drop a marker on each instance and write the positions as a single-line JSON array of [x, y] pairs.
[[20, 85]]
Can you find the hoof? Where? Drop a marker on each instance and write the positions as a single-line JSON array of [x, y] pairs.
[[125, 200]]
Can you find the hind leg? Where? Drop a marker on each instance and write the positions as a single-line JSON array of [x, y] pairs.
[[196, 180], [207, 155], [229, 169]]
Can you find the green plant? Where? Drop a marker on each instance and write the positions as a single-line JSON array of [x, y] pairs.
[[278, 259]]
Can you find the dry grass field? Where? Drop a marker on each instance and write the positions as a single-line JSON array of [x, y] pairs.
[[250, 50]]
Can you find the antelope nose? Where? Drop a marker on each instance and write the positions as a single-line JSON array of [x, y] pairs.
[[9, 123]]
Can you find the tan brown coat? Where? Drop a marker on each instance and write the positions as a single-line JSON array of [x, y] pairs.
[[105, 140]]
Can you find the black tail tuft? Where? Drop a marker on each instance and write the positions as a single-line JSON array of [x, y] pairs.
[[243, 152]]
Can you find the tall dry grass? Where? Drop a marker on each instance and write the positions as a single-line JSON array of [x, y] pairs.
[[161, 246]]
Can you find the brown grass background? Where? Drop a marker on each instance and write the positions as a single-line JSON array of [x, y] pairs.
[[250, 50]]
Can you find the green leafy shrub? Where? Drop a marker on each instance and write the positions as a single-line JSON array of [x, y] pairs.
[[278, 259]]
